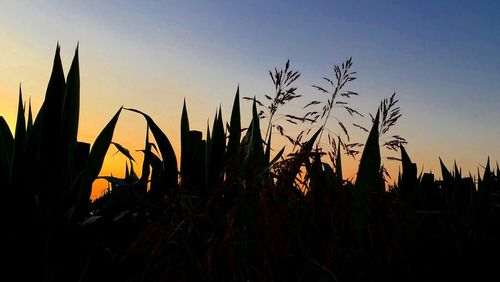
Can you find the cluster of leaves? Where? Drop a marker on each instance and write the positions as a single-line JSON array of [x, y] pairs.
[[233, 213], [46, 175]]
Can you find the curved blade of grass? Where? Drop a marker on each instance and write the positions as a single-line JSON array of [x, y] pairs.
[[146, 169], [166, 150], [93, 166], [99, 149]]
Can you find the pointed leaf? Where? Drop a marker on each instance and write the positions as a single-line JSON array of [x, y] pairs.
[[447, 177], [18, 161], [368, 178], [487, 170], [234, 127], [124, 151], [99, 148], [409, 176], [184, 139], [50, 142], [6, 145], [29, 125], [52, 186], [217, 150], [170, 170], [71, 107], [278, 156]]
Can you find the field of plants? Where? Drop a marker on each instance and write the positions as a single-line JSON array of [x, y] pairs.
[[231, 207]]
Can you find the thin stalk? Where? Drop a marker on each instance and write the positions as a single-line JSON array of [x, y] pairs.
[[269, 126], [330, 106]]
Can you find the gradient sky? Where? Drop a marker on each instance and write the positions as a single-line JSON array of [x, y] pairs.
[[440, 57]]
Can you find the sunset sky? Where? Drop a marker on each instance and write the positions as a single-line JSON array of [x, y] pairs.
[[442, 58]]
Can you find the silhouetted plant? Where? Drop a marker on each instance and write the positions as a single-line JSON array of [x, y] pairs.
[[284, 92], [338, 97], [250, 218], [390, 114], [47, 176]]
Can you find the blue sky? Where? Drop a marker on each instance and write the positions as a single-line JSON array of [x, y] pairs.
[[441, 57]]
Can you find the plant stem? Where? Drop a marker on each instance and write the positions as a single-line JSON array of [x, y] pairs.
[[330, 106]]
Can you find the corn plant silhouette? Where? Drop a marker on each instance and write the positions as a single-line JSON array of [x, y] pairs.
[[47, 176], [232, 212]]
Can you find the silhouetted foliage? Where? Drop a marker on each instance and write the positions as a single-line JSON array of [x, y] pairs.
[[232, 212]]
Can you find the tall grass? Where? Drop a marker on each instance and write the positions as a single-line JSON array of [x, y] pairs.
[[234, 211]]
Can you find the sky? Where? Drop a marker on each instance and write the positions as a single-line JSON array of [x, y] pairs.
[[440, 57]]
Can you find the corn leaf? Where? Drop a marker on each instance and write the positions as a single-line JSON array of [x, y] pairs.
[[196, 169], [447, 177], [217, 150], [6, 148], [368, 177], [71, 108], [50, 184], [254, 156], [50, 139], [18, 161], [29, 125], [146, 163], [184, 141], [234, 127], [99, 149], [6, 142], [124, 151], [409, 175], [170, 171]]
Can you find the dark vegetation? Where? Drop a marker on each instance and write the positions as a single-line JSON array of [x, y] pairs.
[[233, 212]]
